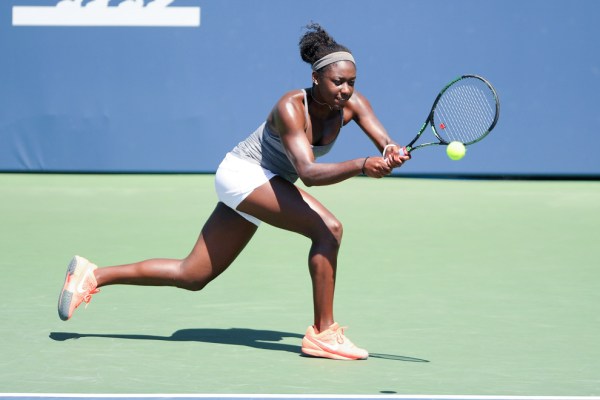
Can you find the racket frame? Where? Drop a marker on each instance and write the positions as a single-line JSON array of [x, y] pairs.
[[429, 121]]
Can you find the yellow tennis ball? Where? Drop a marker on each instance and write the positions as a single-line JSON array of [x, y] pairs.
[[456, 150]]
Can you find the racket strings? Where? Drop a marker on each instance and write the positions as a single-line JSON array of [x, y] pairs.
[[465, 113]]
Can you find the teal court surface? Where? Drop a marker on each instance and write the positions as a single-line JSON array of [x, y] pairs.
[[460, 289]]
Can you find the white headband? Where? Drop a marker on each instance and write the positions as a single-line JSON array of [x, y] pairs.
[[332, 58]]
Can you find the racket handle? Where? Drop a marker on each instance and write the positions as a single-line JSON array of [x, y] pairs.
[[403, 151]]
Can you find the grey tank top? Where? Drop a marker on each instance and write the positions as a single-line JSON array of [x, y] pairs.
[[264, 148]]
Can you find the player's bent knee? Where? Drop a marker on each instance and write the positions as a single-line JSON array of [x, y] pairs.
[[194, 286], [332, 233], [192, 277], [337, 230], [194, 283]]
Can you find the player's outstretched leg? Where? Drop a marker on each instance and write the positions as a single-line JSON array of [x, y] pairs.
[[207, 260]]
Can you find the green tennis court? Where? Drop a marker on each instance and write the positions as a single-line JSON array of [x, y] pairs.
[[456, 287]]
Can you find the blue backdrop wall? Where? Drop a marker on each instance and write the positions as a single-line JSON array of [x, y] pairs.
[[106, 95]]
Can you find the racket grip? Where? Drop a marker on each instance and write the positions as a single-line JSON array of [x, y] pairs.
[[402, 150]]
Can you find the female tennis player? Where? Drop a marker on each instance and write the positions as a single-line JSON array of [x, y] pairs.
[[255, 182]]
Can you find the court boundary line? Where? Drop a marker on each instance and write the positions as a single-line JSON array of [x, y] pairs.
[[289, 396]]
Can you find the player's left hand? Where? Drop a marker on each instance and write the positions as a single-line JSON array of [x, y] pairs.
[[393, 156]]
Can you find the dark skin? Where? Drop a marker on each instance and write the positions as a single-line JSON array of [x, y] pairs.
[[279, 202]]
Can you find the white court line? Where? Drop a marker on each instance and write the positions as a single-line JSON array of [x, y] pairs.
[[290, 396]]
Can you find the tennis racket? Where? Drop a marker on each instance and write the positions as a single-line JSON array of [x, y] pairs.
[[466, 110]]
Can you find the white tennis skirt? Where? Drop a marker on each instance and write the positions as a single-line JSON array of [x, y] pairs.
[[236, 178]]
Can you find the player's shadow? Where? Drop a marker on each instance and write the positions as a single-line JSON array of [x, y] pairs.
[[259, 339], [396, 357]]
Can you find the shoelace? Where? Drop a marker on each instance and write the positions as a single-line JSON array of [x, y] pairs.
[[88, 297], [339, 334], [88, 284]]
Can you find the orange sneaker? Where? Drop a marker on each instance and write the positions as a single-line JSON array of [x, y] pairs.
[[80, 285], [331, 343]]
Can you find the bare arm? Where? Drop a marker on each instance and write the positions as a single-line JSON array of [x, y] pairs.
[[289, 120], [363, 115]]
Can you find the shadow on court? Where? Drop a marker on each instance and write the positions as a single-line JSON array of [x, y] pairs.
[[259, 339], [396, 357]]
